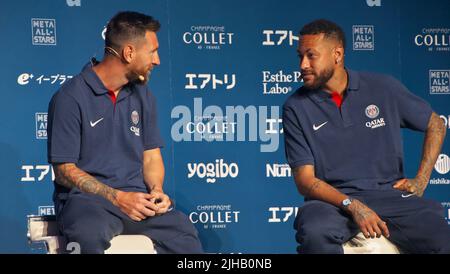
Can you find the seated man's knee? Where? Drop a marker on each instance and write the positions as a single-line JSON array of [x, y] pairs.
[[317, 239], [89, 240], [317, 232], [313, 233]]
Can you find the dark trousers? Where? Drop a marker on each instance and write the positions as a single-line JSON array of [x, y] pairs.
[[416, 225], [92, 221]]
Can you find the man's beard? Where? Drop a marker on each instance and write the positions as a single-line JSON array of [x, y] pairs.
[[320, 80], [135, 77]]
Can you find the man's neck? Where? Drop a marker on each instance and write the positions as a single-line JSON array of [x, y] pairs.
[[338, 82], [111, 74]]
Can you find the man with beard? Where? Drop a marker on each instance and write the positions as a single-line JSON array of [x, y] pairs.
[[343, 142], [104, 144]]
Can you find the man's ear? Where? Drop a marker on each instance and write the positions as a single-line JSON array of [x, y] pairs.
[[338, 54], [129, 53]]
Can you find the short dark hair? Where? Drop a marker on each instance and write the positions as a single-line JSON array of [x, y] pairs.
[[128, 25], [330, 30]]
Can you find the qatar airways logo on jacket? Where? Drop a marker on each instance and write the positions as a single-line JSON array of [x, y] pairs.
[[135, 121], [213, 171], [372, 112]]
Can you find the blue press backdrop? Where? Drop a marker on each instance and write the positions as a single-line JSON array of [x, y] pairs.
[[226, 67]]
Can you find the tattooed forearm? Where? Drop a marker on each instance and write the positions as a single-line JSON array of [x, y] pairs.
[[71, 176], [434, 138], [359, 210], [311, 188]]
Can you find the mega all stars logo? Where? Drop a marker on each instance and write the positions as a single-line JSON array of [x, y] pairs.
[[439, 81], [46, 210], [43, 31], [41, 125], [363, 37]]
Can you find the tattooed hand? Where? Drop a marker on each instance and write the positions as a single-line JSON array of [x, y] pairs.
[[434, 138], [367, 220], [416, 185], [138, 206]]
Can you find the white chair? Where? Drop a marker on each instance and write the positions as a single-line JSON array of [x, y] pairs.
[[43, 229], [360, 245]]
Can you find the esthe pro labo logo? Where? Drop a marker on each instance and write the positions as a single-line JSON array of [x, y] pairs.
[[279, 82]]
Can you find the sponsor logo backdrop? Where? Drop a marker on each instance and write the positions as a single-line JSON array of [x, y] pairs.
[[226, 69]]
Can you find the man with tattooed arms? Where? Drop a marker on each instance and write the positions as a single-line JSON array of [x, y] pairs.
[[343, 142], [104, 144]]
